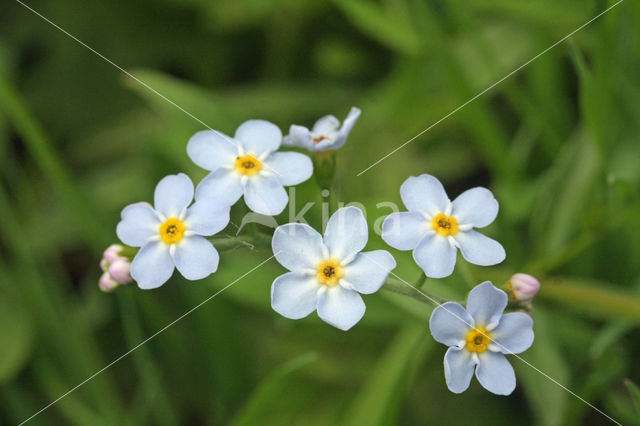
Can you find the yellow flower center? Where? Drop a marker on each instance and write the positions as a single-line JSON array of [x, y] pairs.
[[478, 339], [172, 230], [320, 138], [329, 272], [248, 165], [445, 225]]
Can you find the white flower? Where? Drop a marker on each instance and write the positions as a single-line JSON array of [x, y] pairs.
[[247, 164], [434, 227], [172, 234], [478, 338], [325, 135], [328, 273]]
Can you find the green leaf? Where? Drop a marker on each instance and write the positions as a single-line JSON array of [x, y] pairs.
[[634, 391], [16, 340], [380, 396]]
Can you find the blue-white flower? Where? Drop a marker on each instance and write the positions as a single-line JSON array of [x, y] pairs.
[[478, 338], [248, 164], [328, 274], [435, 228], [325, 135], [170, 234]]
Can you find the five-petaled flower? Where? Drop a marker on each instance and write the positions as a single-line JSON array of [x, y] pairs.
[[248, 164], [171, 234], [325, 135], [434, 227], [478, 338], [328, 273]]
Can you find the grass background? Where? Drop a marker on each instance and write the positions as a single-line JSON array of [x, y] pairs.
[[557, 143]]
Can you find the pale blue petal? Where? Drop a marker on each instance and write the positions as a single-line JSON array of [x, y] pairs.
[[369, 270], [291, 168], [258, 137], [152, 266], [138, 225], [435, 255], [265, 195], [299, 136], [404, 230], [211, 150], [458, 369], [340, 307], [424, 194], [207, 216], [495, 373], [514, 333], [294, 295], [486, 303], [195, 257], [173, 194], [347, 126], [479, 249], [476, 207], [223, 185], [326, 125], [347, 233], [298, 247], [449, 324]]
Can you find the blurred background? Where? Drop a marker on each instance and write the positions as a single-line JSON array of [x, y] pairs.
[[557, 143]]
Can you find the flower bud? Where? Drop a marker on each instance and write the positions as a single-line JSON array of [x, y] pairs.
[[120, 270], [523, 287], [112, 253], [107, 283]]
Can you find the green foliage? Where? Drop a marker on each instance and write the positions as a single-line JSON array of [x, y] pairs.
[[557, 143]]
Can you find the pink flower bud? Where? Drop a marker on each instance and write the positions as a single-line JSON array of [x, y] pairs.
[[104, 265], [523, 287], [120, 270], [107, 283], [112, 252]]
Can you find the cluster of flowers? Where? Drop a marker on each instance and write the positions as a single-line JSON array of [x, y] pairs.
[[330, 272]]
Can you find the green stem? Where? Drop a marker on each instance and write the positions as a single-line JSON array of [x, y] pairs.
[[257, 241], [401, 287]]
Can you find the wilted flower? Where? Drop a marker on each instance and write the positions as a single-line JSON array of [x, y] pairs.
[[478, 338], [325, 135], [434, 227], [171, 235], [247, 164], [328, 273], [523, 287]]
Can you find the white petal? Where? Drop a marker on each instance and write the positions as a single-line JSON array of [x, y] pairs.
[[424, 194], [211, 150], [495, 373], [476, 207], [326, 125], [294, 295], [479, 249], [195, 257], [404, 230], [152, 266], [340, 307], [346, 233], [435, 255], [458, 369], [222, 184], [291, 168], [346, 128], [139, 224], [173, 194], [299, 136], [298, 247], [514, 333], [265, 195], [258, 136], [449, 324], [207, 216], [486, 303], [369, 270]]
